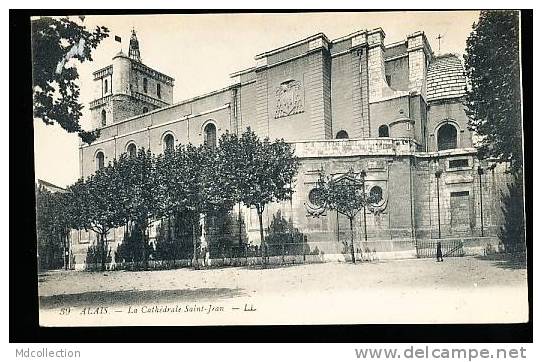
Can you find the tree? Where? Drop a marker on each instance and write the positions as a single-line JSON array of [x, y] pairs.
[[284, 238], [55, 42], [345, 194], [493, 101], [50, 245], [191, 183], [54, 220], [494, 105], [261, 171], [231, 166], [98, 204], [139, 192], [512, 233]]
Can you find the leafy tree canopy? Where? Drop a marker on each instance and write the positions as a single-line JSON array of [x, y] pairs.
[[56, 42], [345, 194], [494, 99], [261, 171], [256, 171]]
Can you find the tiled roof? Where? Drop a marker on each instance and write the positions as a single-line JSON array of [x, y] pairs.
[[445, 78]]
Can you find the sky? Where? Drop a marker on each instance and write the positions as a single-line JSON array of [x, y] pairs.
[[201, 50]]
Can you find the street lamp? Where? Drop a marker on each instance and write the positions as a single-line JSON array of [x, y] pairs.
[[480, 173], [438, 173], [363, 174]]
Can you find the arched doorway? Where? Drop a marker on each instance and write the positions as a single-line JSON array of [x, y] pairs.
[[446, 137]]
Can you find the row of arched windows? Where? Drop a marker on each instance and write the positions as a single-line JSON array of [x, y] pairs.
[[446, 135], [383, 131], [168, 142]]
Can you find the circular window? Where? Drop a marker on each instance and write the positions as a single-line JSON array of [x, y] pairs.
[[375, 195], [315, 197]]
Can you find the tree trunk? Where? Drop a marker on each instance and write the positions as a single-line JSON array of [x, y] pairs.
[[262, 241], [195, 223], [63, 238], [102, 248], [352, 241], [144, 239], [240, 227], [66, 250]]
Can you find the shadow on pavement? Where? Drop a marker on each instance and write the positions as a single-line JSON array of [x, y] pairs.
[[507, 261], [127, 297], [272, 266]]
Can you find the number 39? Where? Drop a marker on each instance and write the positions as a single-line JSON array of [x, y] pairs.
[[65, 311]]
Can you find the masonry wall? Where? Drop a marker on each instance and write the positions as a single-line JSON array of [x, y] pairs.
[[126, 107], [397, 71], [460, 217], [136, 85], [185, 121], [453, 111], [246, 117], [386, 112], [418, 113], [349, 93]]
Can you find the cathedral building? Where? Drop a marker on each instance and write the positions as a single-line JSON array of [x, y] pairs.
[[393, 111]]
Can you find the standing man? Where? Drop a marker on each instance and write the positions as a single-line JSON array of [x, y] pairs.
[[439, 251]]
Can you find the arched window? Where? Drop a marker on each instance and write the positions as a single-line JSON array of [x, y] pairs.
[[145, 85], [447, 137], [209, 137], [100, 160], [106, 86], [104, 117], [342, 134], [169, 142], [375, 195], [383, 131], [145, 110], [158, 90], [132, 150]]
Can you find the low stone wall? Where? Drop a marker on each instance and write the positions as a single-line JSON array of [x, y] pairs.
[[480, 245], [373, 256], [208, 263], [471, 246]]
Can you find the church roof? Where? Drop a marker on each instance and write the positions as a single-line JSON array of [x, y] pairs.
[[49, 186], [445, 78]]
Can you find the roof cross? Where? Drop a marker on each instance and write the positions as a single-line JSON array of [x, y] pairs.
[[439, 37]]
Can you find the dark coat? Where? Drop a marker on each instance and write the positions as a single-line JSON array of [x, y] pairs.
[[439, 250]]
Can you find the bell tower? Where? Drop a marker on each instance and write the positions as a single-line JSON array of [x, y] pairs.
[[128, 88], [133, 51]]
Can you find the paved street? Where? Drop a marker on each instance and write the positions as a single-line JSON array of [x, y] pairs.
[[462, 290]]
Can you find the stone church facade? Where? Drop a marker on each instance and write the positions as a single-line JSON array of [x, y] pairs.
[[394, 111]]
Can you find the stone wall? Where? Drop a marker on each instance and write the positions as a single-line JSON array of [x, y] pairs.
[[448, 111]]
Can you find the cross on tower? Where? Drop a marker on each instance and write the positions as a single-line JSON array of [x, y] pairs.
[[439, 37]]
